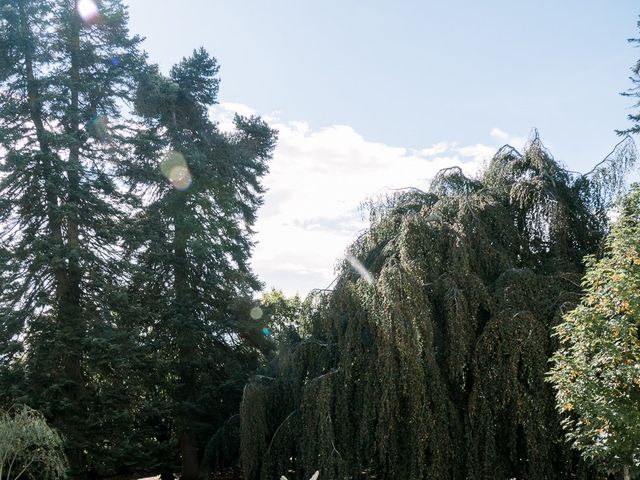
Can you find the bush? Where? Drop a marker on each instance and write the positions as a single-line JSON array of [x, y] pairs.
[[29, 448]]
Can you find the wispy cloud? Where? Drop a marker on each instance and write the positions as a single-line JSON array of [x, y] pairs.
[[503, 137], [318, 179]]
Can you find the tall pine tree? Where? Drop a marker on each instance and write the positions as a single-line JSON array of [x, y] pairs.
[[66, 73], [200, 189]]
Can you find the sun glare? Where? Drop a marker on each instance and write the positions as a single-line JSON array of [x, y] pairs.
[[362, 271], [88, 10]]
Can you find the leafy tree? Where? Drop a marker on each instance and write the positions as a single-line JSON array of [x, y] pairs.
[[433, 365], [29, 448], [281, 315], [596, 371], [66, 74], [191, 244], [634, 91]]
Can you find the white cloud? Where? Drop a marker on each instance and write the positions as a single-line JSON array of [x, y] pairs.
[[479, 152], [437, 149], [238, 108], [499, 134], [504, 138], [318, 179]]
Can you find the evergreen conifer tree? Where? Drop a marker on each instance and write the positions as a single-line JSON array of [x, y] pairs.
[[66, 72], [200, 188], [634, 91]]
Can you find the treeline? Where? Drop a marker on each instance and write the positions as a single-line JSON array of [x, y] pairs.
[[126, 215], [127, 312]]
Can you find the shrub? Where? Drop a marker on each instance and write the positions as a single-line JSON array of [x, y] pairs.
[[29, 448]]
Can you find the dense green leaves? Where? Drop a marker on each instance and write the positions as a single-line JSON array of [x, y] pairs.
[[63, 101], [126, 232], [280, 315], [126, 309], [434, 366], [596, 371]]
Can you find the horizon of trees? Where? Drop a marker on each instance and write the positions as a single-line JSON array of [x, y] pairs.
[[128, 316]]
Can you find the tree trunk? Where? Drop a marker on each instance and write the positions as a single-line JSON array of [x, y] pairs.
[[163, 437], [67, 280], [189, 453], [71, 315], [186, 342], [625, 471]]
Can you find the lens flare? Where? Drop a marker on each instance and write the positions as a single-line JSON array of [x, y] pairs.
[[266, 332], [180, 177], [175, 168], [88, 10], [256, 313], [99, 128], [362, 271]]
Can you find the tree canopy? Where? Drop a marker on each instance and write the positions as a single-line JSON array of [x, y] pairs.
[[64, 85], [130, 330], [596, 371], [126, 216], [190, 243], [433, 366]]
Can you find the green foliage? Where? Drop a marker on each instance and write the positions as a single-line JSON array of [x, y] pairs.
[[126, 216], [596, 370], [435, 366], [280, 314], [223, 448], [64, 93], [29, 448], [190, 242], [634, 92]]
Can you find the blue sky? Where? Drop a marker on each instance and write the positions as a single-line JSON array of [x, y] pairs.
[[383, 93]]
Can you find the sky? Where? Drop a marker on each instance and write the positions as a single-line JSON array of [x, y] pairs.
[[371, 96]]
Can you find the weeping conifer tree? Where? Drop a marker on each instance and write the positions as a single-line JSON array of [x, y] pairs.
[[434, 365]]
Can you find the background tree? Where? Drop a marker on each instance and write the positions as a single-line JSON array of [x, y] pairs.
[[634, 92], [191, 245], [596, 371], [433, 366], [281, 315], [66, 75]]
